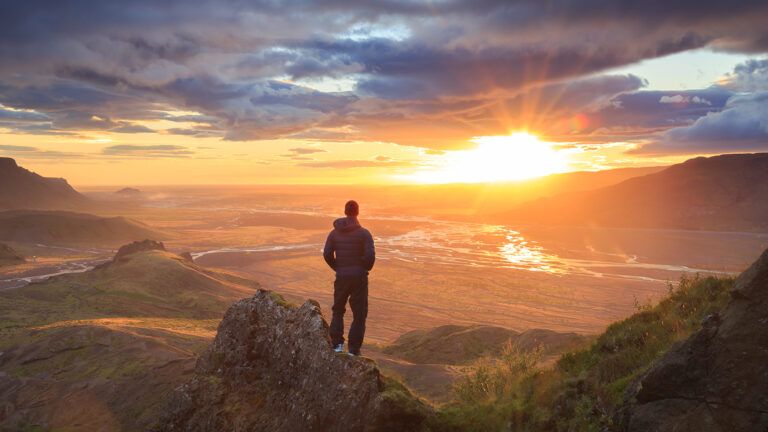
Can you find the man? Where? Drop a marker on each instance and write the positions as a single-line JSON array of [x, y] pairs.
[[349, 251]]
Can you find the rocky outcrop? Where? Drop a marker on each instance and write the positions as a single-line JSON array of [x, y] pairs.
[[138, 246], [717, 380], [271, 368]]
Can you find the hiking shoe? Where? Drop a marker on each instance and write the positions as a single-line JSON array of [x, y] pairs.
[[339, 348], [354, 353]]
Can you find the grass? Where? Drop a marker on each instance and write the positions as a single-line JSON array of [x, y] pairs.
[[583, 389]]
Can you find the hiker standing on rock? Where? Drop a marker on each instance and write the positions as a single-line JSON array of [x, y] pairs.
[[349, 251]]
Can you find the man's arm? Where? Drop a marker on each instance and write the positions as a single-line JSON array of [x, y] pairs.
[[328, 251], [369, 251]]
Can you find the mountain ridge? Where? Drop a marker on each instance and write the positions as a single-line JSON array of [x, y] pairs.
[[720, 193], [27, 190]]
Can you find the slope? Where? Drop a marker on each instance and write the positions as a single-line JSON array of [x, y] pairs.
[[725, 193], [23, 189], [100, 350]]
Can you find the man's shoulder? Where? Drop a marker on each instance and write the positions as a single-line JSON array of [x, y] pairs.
[[364, 231]]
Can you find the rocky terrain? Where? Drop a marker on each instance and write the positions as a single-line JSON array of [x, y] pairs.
[[716, 380], [722, 193], [271, 368], [8, 256], [23, 189]]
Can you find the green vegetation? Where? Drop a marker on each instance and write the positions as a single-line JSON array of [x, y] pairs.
[[585, 387]]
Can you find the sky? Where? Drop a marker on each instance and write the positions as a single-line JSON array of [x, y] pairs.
[[393, 91]]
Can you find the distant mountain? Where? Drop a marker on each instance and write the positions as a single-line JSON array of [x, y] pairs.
[[23, 189], [61, 227], [8, 256], [473, 201], [103, 349], [727, 192]]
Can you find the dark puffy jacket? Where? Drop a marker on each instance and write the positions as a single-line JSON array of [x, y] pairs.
[[349, 248]]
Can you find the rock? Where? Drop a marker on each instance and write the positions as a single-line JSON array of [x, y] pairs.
[[271, 368], [716, 380], [138, 246]]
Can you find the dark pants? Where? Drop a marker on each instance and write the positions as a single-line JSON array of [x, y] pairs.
[[354, 289]]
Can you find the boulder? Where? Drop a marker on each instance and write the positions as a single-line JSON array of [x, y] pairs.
[[716, 380], [271, 367]]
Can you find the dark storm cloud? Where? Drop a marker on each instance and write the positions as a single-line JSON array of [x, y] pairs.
[[449, 66]]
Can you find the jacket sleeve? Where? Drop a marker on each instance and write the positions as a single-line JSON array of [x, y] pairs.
[[329, 250], [369, 251]]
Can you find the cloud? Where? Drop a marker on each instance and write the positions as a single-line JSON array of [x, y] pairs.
[[640, 114], [147, 151], [430, 74], [741, 126], [15, 148], [343, 164], [29, 152], [684, 100], [306, 150], [750, 76]]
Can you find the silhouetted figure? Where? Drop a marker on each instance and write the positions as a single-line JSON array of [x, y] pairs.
[[349, 251]]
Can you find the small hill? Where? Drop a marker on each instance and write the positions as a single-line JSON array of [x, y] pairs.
[[725, 193], [717, 380], [272, 367], [8, 256], [128, 192], [23, 189], [67, 228], [103, 349]]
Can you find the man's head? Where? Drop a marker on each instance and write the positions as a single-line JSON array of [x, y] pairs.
[[351, 208]]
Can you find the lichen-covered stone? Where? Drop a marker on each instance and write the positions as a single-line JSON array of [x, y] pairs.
[[271, 368]]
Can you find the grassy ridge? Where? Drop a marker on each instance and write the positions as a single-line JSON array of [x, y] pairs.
[[585, 387]]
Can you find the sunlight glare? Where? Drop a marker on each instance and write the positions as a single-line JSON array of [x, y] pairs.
[[497, 158]]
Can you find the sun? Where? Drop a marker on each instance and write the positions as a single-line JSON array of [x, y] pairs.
[[512, 157]]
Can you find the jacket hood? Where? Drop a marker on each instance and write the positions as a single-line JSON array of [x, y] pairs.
[[346, 224]]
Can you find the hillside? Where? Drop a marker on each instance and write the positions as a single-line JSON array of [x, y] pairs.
[[723, 193], [431, 362], [8, 256], [457, 345], [67, 228], [695, 361], [716, 379], [101, 350], [23, 189]]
